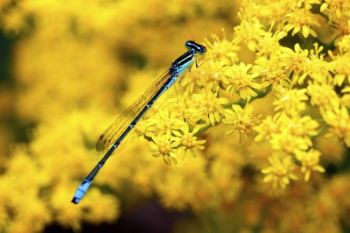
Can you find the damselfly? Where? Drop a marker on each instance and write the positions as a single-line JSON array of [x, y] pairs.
[[117, 131]]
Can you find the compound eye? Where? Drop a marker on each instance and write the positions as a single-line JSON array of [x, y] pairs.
[[190, 44], [202, 49]]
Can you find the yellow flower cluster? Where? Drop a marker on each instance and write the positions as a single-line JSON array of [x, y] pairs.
[[256, 135]]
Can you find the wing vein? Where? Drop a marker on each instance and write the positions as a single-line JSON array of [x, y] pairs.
[[119, 125]]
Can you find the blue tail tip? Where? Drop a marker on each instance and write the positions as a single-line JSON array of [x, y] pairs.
[[75, 200], [79, 194]]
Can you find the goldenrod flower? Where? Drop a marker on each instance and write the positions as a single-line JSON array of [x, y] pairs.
[[210, 107], [269, 45], [289, 134], [286, 60], [241, 120], [165, 122], [208, 77], [185, 110], [343, 42], [341, 69], [302, 127], [335, 9], [240, 78], [221, 50], [317, 68], [290, 101], [267, 128], [165, 146], [289, 143], [145, 128], [249, 32], [187, 139], [299, 129], [309, 162], [323, 95], [273, 71], [302, 20], [339, 120], [280, 171], [295, 61]]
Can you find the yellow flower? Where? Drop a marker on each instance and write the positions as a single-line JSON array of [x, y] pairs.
[[341, 69], [309, 162], [335, 9], [301, 19], [267, 128], [316, 67], [184, 109], [339, 120], [269, 44], [288, 134], [222, 50], [280, 171], [239, 78], [344, 42], [295, 61], [209, 106], [241, 120], [145, 128], [273, 71], [187, 139], [270, 51], [165, 122], [283, 128], [289, 143], [249, 31], [291, 101], [323, 95], [301, 126], [165, 146], [209, 76]]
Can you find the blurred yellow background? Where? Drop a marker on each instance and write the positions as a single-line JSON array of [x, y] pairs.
[[260, 130]]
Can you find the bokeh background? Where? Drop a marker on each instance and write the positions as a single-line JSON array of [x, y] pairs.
[[257, 136]]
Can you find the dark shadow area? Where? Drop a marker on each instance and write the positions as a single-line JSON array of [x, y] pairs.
[[150, 217]]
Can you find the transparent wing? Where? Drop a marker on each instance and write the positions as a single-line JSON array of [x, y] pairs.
[[118, 126]]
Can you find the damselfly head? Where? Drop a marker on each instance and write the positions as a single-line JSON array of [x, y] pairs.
[[190, 44]]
